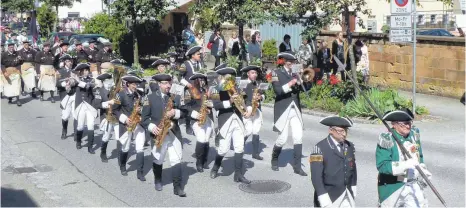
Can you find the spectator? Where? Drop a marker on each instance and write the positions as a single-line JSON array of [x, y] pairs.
[[200, 42], [188, 36], [363, 64], [258, 37], [285, 45], [304, 55], [254, 49], [323, 61], [218, 46], [338, 50], [233, 45], [67, 26]]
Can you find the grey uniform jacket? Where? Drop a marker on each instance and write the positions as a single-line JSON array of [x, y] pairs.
[[225, 112], [125, 108]]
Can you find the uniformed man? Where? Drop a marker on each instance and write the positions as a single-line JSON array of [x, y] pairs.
[[399, 183], [123, 111], [66, 86], [333, 166], [28, 72], [12, 83], [92, 53], [103, 57], [60, 52], [187, 69], [287, 112], [154, 111], [203, 130], [172, 58], [106, 126], [231, 128], [56, 46], [81, 55], [47, 79], [85, 111], [253, 120]]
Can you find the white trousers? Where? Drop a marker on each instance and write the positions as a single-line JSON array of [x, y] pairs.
[[253, 124], [66, 112], [294, 123], [170, 145], [411, 196], [12, 88], [203, 133], [29, 78], [87, 118], [139, 135], [234, 133], [107, 128]]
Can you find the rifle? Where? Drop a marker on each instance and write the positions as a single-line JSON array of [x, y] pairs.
[[397, 139]]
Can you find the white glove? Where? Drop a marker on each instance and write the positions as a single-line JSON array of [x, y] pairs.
[[410, 164], [325, 200], [424, 169]]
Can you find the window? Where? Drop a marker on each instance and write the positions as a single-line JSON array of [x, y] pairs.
[[73, 14], [432, 19], [420, 19]]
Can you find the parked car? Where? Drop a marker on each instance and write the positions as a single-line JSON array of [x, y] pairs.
[[58, 35], [85, 38], [436, 32]]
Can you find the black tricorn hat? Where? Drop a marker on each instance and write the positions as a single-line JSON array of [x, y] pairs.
[[226, 70], [286, 56], [399, 115], [131, 79], [162, 77], [104, 76], [81, 66], [251, 67], [193, 50], [197, 76], [221, 66], [66, 57], [64, 43], [159, 62], [337, 121]]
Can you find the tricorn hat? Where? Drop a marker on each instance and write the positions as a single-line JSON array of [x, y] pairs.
[[399, 115], [251, 67], [337, 121], [193, 50], [104, 76], [162, 77], [159, 62], [197, 76], [286, 56], [221, 66], [81, 66], [226, 70], [131, 79]]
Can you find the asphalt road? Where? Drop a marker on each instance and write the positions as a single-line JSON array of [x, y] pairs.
[[70, 177]]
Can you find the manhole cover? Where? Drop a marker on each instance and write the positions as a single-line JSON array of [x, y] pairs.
[[25, 170], [265, 187]]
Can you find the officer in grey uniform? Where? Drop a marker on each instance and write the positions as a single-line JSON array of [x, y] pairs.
[[333, 166], [287, 112]]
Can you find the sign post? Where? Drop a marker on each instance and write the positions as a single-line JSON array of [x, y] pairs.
[[403, 30]]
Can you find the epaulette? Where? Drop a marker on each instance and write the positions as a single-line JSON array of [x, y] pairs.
[[274, 76], [316, 155], [146, 101], [416, 132], [182, 67], [385, 140]]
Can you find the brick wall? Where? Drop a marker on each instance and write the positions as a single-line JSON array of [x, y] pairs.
[[440, 67]]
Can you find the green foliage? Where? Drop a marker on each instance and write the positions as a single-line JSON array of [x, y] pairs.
[[269, 95], [17, 5], [345, 90], [207, 20], [256, 62], [46, 18], [111, 27], [232, 61], [269, 49], [385, 29], [141, 9], [149, 72]]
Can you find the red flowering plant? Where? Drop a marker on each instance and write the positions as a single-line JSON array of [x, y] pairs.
[[320, 82], [334, 80]]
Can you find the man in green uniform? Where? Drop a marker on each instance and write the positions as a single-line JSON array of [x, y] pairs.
[[399, 183]]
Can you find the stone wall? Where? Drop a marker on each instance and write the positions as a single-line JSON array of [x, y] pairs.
[[440, 63]]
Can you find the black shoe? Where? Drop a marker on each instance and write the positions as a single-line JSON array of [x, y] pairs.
[[52, 100], [33, 95], [157, 170], [79, 136], [64, 128], [255, 147], [10, 100], [217, 164], [177, 173], [41, 98], [275, 153], [23, 93], [103, 152], [123, 158], [239, 176], [140, 164], [18, 103], [199, 152], [298, 153], [90, 141]]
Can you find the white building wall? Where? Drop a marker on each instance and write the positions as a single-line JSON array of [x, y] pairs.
[[381, 10], [87, 8]]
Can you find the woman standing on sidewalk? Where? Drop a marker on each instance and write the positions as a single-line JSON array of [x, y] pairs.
[[218, 46]]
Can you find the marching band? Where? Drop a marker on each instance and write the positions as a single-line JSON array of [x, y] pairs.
[[133, 110]]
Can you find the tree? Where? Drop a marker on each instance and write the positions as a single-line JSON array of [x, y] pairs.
[[46, 18], [59, 3], [238, 12], [140, 10], [20, 6], [111, 27]]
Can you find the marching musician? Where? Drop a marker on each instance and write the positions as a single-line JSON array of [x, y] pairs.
[[174, 66], [399, 183], [12, 80], [128, 114], [155, 111], [81, 55], [47, 80], [106, 126], [92, 51], [333, 166], [287, 111], [253, 122], [161, 66], [231, 128], [84, 108], [28, 72], [66, 89], [103, 58], [201, 108], [188, 68], [60, 52]]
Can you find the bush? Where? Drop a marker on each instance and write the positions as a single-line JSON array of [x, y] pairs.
[[109, 26], [269, 49], [149, 72]]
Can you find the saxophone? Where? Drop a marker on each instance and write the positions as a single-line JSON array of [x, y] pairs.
[[134, 117], [255, 103], [115, 90], [203, 111], [165, 124], [238, 101]]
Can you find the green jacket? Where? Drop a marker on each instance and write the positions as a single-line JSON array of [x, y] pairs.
[[387, 157]]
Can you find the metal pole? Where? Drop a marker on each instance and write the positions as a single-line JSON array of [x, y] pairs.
[[414, 55]]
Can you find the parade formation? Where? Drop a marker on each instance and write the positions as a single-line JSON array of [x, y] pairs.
[[95, 81]]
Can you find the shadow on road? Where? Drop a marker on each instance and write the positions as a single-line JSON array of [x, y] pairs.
[[16, 198]]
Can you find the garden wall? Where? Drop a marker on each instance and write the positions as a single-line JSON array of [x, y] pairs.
[[440, 68]]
